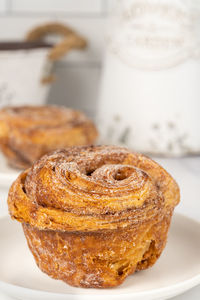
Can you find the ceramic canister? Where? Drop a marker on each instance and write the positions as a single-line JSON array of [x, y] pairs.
[[22, 67], [150, 92], [25, 66]]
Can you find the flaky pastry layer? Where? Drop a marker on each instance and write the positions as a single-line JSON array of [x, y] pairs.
[[28, 132], [93, 215]]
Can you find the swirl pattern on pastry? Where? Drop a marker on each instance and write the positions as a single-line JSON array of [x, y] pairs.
[[28, 132], [92, 189], [94, 215]]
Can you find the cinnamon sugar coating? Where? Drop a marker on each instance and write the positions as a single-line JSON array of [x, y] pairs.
[[28, 132], [93, 215]]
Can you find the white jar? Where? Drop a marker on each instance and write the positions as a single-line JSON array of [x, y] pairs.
[[150, 93]]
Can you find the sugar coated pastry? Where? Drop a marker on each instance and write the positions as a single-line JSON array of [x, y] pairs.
[[93, 215], [28, 132]]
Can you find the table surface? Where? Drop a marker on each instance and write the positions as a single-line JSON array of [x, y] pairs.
[[187, 173]]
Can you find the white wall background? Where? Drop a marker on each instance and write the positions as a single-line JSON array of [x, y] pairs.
[[78, 74]]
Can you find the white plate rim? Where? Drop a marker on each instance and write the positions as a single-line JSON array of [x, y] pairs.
[[165, 292], [154, 294]]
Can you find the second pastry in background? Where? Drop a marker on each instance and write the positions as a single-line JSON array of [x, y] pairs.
[[28, 132]]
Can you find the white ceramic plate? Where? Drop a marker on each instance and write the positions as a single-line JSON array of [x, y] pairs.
[[176, 271], [7, 174]]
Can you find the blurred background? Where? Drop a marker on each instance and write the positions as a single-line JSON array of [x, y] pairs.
[[79, 69], [150, 107], [138, 77]]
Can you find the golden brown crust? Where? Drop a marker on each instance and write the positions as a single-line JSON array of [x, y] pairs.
[[94, 215], [28, 132], [92, 188], [97, 260]]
